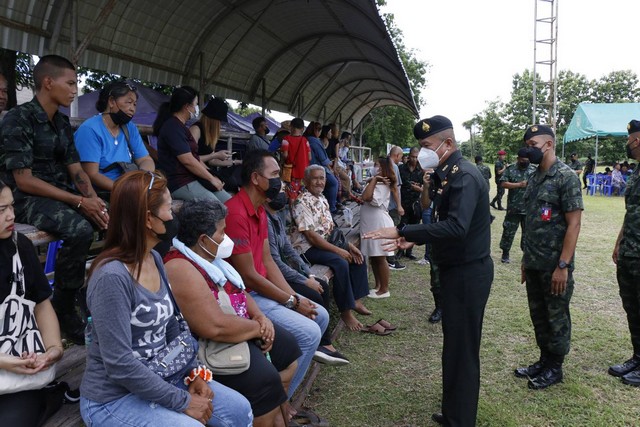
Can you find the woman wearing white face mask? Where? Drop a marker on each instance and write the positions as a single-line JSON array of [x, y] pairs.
[[197, 272], [178, 156], [374, 214]]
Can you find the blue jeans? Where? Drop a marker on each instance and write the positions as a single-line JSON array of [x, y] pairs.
[[350, 281], [230, 409], [306, 331]]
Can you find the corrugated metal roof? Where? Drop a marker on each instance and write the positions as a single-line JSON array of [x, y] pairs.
[[328, 60]]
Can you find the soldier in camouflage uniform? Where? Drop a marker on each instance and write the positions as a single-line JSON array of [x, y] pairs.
[[515, 180], [575, 164], [499, 169], [553, 203], [484, 169], [39, 161], [626, 255]]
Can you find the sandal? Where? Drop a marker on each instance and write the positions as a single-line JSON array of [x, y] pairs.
[[376, 329], [306, 417], [386, 325]]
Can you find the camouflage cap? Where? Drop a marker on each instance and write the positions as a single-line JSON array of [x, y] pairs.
[[633, 126], [536, 130], [427, 127]]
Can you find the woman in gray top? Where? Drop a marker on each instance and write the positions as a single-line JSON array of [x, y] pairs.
[[133, 320]]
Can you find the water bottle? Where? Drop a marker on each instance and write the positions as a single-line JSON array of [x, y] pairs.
[[88, 330]]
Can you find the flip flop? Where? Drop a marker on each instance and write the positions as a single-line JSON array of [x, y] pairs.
[[307, 417], [386, 325], [376, 329]]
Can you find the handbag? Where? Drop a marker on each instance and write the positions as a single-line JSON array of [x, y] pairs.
[[224, 358], [124, 166], [24, 337], [337, 238], [179, 355]]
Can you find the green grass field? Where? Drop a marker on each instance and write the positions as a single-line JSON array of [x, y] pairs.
[[396, 380]]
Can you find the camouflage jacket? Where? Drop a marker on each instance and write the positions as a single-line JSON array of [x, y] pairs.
[[548, 196], [630, 243], [484, 170], [28, 140], [515, 200], [576, 165], [498, 166]]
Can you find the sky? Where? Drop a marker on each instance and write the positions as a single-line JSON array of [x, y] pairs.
[[474, 47]]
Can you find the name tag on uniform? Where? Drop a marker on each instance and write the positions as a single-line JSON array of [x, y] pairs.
[[545, 213]]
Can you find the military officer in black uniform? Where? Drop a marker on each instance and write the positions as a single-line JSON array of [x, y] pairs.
[[461, 239]]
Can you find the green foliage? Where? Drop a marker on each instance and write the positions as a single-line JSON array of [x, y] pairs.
[[24, 73], [244, 109], [96, 80], [501, 125], [392, 124]]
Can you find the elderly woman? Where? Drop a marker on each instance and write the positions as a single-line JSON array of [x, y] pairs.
[[313, 228], [135, 322], [28, 349], [108, 140], [178, 155], [198, 274]]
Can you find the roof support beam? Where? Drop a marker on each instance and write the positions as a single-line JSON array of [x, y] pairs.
[[293, 70], [97, 26], [324, 88], [57, 25]]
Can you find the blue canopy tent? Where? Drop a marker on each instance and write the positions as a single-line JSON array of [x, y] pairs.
[[598, 120]]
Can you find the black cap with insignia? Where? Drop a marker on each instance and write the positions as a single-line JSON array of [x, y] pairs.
[[633, 126], [538, 130], [427, 127]]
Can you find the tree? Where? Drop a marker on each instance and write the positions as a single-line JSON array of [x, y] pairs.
[[393, 124], [16, 68], [96, 80], [617, 86]]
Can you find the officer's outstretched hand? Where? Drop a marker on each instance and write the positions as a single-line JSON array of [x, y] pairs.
[[382, 233], [395, 244], [559, 281]]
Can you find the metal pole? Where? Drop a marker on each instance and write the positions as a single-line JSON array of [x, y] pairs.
[[201, 83], [264, 95], [535, 59], [595, 161]]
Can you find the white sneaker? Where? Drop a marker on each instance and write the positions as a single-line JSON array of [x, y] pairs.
[[423, 261]]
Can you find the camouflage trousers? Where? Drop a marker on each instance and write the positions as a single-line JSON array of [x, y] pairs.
[[66, 224], [549, 313], [628, 273], [509, 229]]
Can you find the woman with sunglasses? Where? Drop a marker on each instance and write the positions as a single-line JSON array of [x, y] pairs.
[[109, 140], [134, 320]]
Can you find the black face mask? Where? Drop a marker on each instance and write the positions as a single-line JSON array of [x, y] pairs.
[[267, 130], [629, 151], [535, 155], [171, 228], [274, 188], [120, 118], [279, 202]]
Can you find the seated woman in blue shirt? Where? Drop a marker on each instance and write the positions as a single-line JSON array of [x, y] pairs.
[[110, 137]]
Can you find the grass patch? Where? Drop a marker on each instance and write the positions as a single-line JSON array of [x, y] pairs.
[[396, 380]]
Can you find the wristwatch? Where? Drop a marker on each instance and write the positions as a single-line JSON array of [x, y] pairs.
[[562, 265], [400, 229], [290, 302]]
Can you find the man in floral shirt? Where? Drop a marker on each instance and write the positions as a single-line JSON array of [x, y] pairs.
[[313, 228]]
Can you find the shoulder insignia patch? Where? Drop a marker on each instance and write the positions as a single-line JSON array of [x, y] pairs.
[[454, 169]]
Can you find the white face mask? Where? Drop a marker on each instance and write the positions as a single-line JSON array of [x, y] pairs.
[[225, 248], [428, 158], [195, 113]]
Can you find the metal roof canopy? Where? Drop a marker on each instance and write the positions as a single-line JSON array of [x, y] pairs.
[[326, 60]]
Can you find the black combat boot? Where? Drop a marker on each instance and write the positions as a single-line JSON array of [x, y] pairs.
[[551, 373], [505, 257], [532, 370], [632, 378], [438, 418], [71, 324], [625, 367]]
